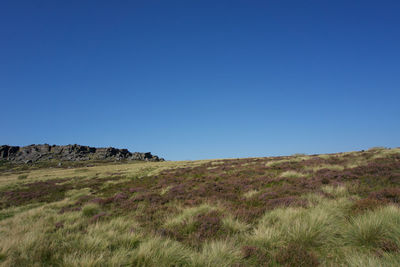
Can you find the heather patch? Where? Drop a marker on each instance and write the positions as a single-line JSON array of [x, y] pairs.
[[295, 255], [44, 191]]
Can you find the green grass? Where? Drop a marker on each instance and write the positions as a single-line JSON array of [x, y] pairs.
[[90, 210], [291, 174], [285, 211], [187, 215], [22, 176]]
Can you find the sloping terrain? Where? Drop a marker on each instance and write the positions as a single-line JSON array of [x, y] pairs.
[[328, 210]]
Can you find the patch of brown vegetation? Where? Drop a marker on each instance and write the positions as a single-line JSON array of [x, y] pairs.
[[295, 255], [256, 256], [206, 226], [365, 204], [389, 195]]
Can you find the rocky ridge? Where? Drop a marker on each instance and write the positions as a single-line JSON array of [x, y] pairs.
[[35, 153]]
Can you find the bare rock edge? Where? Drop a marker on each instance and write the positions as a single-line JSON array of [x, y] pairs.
[[35, 153]]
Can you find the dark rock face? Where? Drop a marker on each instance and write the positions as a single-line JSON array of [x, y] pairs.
[[34, 153]]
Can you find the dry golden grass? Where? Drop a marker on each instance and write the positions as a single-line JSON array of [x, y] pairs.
[[335, 167], [250, 193], [292, 174]]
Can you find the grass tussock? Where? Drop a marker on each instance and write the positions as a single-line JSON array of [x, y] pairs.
[[335, 191], [250, 193], [162, 252], [292, 174], [90, 209], [217, 253], [376, 229], [234, 225], [334, 167]]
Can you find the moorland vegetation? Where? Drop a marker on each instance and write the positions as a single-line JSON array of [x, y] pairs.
[[302, 210]]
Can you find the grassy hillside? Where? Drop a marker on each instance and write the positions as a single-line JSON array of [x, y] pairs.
[[329, 210]]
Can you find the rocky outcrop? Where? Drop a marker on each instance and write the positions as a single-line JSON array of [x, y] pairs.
[[34, 153]]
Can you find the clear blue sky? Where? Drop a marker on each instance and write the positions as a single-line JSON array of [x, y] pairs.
[[201, 79]]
